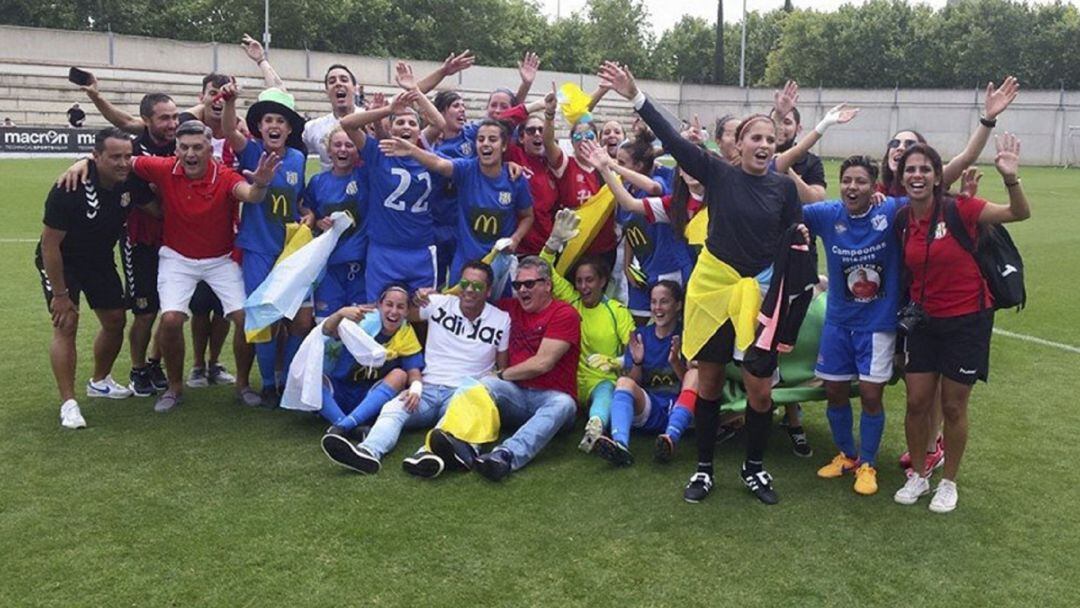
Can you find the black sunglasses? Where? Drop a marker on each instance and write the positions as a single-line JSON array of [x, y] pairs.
[[907, 143], [534, 130], [529, 284]]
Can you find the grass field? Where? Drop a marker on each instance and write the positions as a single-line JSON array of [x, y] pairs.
[[219, 505]]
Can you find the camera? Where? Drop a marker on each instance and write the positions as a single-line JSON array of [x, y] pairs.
[[910, 317]]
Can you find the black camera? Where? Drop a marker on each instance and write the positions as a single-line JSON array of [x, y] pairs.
[[910, 317]]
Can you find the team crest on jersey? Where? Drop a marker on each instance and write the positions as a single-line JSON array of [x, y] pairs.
[[125, 199], [350, 189], [466, 148], [580, 177], [292, 177], [879, 222], [840, 227], [505, 198], [940, 231]]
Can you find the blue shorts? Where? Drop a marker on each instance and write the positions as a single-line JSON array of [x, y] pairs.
[[255, 268], [342, 285], [348, 395], [846, 355], [655, 417], [385, 264]]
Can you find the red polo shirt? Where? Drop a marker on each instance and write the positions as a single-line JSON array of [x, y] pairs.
[[952, 278], [545, 195], [199, 214], [558, 321], [577, 184]]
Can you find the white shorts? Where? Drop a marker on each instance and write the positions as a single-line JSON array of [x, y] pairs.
[[178, 276]]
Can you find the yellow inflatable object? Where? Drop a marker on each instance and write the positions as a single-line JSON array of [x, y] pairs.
[[594, 213], [471, 415], [573, 102], [296, 236], [698, 228], [714, 294]]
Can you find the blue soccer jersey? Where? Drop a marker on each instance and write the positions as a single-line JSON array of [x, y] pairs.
[[262, 225], [657, 249], [657, 376], [327, 193], [351, 380], [399, 192], [487, 210], [444, 201], [864, 260]]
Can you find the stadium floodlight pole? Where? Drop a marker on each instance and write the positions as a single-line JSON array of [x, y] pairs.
[[266, 26], [742, 52]]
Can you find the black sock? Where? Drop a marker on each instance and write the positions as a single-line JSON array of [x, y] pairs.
[[757, 436], [706, 418]]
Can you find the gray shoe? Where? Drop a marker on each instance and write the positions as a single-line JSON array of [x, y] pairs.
[[218, 375], [197, 378], [167, 402], [247, 396]]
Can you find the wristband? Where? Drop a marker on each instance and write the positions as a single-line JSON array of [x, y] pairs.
[[258, 185], [416, 388], [988, 123], [549, 115], [498, 374], [1011, 184], [637, 363], [61, 294]]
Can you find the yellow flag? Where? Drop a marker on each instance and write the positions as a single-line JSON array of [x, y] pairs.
[[296, 236], [594, 213], [698, 228], [573, 102], [471, 415]]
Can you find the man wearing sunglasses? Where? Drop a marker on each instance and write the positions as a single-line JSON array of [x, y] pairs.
[[466, 338], [538, 391]]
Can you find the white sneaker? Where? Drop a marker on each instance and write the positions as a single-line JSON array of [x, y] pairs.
[[108, 388], [916, 487], [594, 428], [945, 497], [197, 378], [71, 416]]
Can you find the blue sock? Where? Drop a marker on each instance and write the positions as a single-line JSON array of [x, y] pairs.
[[291, 346], [266, 354], [840, 421], [370, 407], [600, 402], [330, 408], [871, 427], [678, 421], [622, 416]]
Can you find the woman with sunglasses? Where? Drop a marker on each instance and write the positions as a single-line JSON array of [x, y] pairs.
[[528, 151], [494, 210], [605, 326]]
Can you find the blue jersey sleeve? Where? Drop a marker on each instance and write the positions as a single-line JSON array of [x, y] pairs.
[[415, 361], [815, 215], [464, 168], [522, 195]]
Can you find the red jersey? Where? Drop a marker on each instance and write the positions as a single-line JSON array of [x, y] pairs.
[[545, 195], [952, 277], [577, 184], [559, 321], [199, 214]]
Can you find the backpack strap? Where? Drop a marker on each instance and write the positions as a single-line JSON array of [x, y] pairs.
[[955, 226]]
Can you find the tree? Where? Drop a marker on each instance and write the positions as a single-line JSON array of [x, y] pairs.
[[619, 31], [681, 53]]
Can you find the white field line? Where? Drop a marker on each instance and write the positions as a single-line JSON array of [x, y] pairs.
[[18, 240], [1026, 338]]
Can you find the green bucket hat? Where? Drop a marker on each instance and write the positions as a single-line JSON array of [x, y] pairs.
[[277, 101]]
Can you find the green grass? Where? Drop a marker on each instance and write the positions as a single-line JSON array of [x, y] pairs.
[[219, 505]]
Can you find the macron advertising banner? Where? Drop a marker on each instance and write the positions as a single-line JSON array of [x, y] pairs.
[[45, 140]]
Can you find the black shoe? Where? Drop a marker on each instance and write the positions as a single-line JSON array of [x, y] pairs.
[[452, 450], [495, 465], [799, 444], [423, 464], [343, 452], [614, 452], [699, 487], [270, 397], [157, 375], [140, 383], [760, 483], [665, 448]]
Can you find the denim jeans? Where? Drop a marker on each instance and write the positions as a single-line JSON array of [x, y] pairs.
[[538, 414], [393, 418]]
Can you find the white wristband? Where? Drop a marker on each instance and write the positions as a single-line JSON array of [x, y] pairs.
[[416, 388]]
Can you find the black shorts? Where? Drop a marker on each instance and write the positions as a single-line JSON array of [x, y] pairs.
[[721, 349], [96, 278], [204, 301], [140, 276], [955, 347]]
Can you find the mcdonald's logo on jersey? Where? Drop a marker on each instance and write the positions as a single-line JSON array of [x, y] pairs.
[[666, 379], [639, 239], [280, 204], [485, 226]]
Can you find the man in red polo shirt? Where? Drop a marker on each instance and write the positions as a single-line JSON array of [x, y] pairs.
[[538, 391], [199, 200]]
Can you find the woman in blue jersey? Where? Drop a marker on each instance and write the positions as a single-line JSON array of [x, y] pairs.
[[353, 394], [275, 127], [401, 233], [494, 210], [342, 188], [858, 340], [654, 370]]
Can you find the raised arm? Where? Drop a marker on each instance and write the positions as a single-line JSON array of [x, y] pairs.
[[260, 179], [354, 124], [450, 66], [691, 158], [597, 95], [117, 117], [256, 53], [1007, 163], [527, 68], [551, 147], [431, 114], [236, 139], [838, 115], [602, 162], [997, 100], [395, 146]]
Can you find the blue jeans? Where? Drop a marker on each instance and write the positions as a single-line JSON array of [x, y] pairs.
[[393, 418], [538, 414]]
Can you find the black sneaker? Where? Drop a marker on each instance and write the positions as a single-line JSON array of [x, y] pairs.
[[614, 452], [270, 397], [343, 452], [799, 444], [665, 448], [423, 464], [760, 483], [140, 383], [157, 375], [452, 450], [699, 487], [495, 465]]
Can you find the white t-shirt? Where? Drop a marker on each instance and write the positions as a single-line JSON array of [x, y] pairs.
[[315, 131], [458, 348]]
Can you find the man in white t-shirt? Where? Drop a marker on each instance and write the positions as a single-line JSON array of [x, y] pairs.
[[466, 338], [341, 91]]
